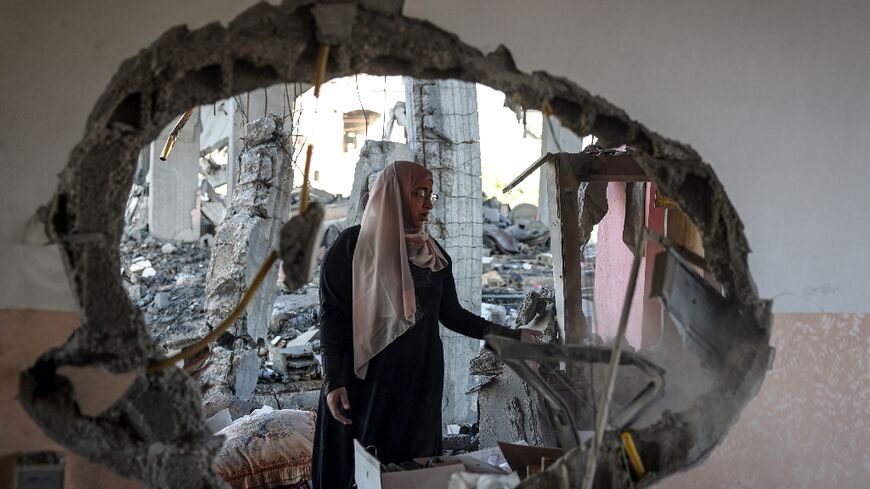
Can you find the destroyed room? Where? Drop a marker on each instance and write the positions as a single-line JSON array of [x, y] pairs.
[[396, 244]]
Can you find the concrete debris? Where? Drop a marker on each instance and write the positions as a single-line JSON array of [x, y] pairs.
[[536, 303], [139, 264], [373, 158], [256, 214], [214, 212], [459, 443], [219, 421], [499, 240], [509, 408], [295, 313], [171, 446], [172, 323], [297, 360], [168, 249], [303, 395], [492, 279], [36, 230], [531, 233], [216, 401], [161, 300], [486, 364], [300, 246], [494, 312], [186, 279], [509, 231], [524, 214]]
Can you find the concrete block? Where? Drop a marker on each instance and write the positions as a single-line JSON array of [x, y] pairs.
[[245, 373], [161, 300], [373, 157], [444, 135]]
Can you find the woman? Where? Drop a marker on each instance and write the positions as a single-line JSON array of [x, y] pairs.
[[384, 286]]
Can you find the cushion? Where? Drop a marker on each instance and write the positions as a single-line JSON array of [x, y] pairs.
[[267, 449]]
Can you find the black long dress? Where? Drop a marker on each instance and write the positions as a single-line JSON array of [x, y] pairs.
[[397, 408]]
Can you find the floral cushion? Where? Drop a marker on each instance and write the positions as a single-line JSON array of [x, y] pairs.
[[267, 449]]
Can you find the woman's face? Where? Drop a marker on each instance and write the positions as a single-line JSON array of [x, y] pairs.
[[419, 204]]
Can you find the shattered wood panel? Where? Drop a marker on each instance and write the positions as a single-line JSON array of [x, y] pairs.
[[268, 44]]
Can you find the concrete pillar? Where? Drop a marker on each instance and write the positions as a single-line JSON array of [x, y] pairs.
[[373, 158], [278, 100], [173, 184], [259, 208], [444, 134], [551, 142]]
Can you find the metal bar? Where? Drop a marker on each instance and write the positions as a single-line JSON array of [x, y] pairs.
[[173, 135], [528, 171], [511, 351], [605, 168], [601, 422]]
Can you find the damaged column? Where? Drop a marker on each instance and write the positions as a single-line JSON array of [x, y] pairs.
[[250, 106], [173, 184], [260, 206], [443, 132]]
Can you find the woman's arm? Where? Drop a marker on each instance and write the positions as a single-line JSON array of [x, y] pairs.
[[336, 316], [455, 318]]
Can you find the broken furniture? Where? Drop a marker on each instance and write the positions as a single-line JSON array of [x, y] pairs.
[[517, 355], [564, 173], [726, 337]]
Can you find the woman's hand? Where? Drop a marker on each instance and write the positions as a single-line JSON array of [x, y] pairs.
[[336, 398], [529, 335]]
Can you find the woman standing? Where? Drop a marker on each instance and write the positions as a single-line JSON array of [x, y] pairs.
[[384, 286]]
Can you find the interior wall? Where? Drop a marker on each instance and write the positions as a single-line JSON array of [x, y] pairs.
[[809, 427], [773, 95], [24, 335]]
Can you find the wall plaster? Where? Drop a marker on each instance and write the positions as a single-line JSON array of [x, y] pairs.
[[155, 432]]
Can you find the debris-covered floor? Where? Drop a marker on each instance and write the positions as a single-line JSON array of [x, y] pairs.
[[166, 280]]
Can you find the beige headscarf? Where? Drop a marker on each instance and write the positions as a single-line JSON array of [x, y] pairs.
[[384, 303]]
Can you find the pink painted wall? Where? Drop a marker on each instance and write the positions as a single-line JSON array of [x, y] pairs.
[[809, 427], [612, 269], [24, 335]]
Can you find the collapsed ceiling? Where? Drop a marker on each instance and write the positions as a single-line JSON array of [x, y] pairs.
[[155, 433]]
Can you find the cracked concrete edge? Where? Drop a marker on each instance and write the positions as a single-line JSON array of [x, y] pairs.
[[265, 45]]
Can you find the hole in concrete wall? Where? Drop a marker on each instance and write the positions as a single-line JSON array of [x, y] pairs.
[[175, 208], [270, 44], [129, 111]]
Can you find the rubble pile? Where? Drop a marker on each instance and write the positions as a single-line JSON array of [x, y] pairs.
[[166, 280], [510, 231]]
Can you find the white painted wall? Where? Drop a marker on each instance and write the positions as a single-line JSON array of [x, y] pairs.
[[773, 94]]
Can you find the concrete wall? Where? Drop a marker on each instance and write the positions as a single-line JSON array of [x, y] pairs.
[[773, 95]]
